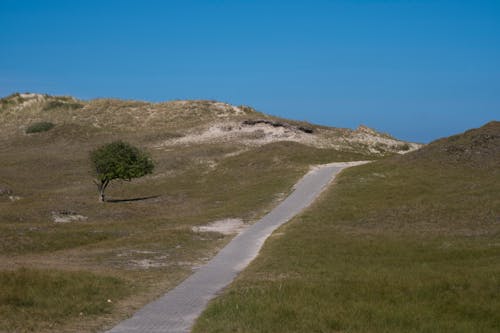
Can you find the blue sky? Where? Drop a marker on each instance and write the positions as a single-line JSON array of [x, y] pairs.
[[416, 69]]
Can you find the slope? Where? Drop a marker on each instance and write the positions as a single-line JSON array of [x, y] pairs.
[[406, 244]]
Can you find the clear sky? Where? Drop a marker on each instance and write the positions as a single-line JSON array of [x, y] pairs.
[[416, 69]]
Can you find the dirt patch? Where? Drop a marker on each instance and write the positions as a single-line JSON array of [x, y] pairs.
[[147, 263], [225, 227]]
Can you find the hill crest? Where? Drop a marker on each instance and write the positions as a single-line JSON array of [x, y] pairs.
[[190, 122], [477, 147]]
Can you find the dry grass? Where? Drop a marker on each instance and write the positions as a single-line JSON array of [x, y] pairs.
[[144, 239]]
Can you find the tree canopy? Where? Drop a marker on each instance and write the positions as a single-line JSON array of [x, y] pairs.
[[119, 160]]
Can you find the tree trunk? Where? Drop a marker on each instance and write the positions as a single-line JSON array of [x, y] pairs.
[[101, 187], [101, 194]]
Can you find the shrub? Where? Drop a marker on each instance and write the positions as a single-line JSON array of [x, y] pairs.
[[41, 126]]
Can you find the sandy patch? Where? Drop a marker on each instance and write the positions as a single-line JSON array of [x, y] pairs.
[[228, 108], [67, 217], [30, 95], [258, 134], [29, 99], [225, 227], [372, 138]]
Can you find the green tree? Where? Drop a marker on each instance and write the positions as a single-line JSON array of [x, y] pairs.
[[118, 160]]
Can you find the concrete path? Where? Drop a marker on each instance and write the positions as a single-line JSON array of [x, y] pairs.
[[176, 311]]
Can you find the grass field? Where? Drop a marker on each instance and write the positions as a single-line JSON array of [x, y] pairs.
[[142, 240], [408, 244]]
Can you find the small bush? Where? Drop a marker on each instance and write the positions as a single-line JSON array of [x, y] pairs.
[[61, 104], [42, 126], [404, 147]]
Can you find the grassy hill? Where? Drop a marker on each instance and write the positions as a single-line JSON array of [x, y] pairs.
[[405, 244], [214, 161]]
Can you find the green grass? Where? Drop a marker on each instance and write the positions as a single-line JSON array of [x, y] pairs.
[[392, 247], [35, 300]]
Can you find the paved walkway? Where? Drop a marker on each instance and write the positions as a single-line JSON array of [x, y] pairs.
[[177, 310]]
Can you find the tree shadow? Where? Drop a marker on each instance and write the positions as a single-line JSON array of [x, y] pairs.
[[133, 199]]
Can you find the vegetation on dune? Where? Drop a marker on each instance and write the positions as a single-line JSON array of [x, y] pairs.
[[407, 244], [42, 126]]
